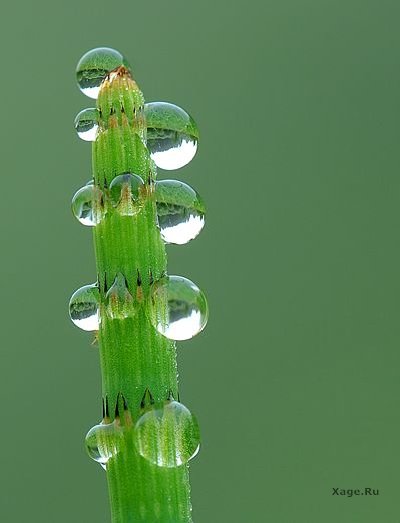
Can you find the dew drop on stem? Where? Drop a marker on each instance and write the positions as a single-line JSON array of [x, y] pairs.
[[167, 436], [94, 67], [180, 211], [84, 307], [87, 205], [103, 442], [87, 124], [172, 135], [125, 193], [178, 308], [119, 301]]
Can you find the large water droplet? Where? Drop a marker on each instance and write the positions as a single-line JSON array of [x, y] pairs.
[[168, 436], [180, 211], [178, 308], [87, 205], [102, 442], [125, 194], [84, 308], [95, 66], [119, 300], [171, 135], [87, 123]]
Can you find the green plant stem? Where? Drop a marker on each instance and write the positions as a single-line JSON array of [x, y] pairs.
[[134, 356]]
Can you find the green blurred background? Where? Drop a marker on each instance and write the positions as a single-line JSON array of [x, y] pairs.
[[296, 379]]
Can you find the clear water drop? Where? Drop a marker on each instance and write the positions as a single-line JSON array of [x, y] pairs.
[[95, 66], [178, 308], [180, 211], [119, 300], [84, 308], [102, 442], [125, 193], [87, 124], [172, 135], [87, 205], [168, 436]]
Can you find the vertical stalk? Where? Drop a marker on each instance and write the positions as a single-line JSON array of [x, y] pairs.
[[134, 357]]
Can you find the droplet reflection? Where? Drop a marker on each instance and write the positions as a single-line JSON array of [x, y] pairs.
[[84, 308], [178, 308], [168, 436], [125, 193], [102, 442], [172, 135], [180, 211], [95, 66], [86, 124], [87, 205]]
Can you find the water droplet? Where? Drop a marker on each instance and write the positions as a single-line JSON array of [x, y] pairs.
[[168, 436], [171, 135], [103, 441], [180, 211], [87, 123], [84, 308], [178, 308], [94, 66], [87, 205], [125, 193], [119, 300]]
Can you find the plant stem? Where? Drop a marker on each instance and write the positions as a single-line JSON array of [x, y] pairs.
[[134, 356]]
